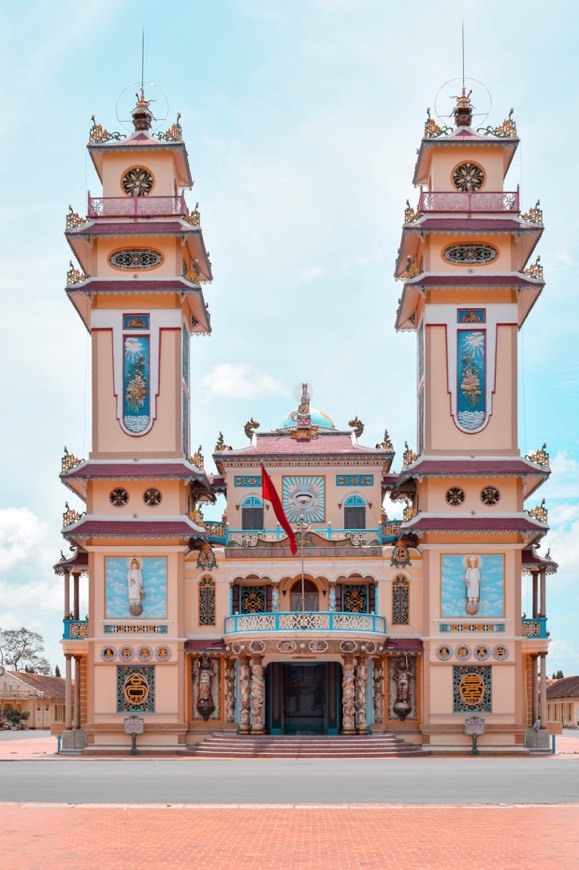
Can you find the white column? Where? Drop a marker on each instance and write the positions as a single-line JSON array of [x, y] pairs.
[[77, 691], [68, 694]]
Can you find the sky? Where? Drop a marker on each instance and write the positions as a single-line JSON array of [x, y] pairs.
[[302, 122]]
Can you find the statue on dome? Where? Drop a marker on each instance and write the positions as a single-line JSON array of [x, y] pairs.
[[304, 406]]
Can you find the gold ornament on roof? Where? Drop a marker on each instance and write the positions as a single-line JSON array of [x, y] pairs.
[[193, 274], [74, 275], [195, 217], [409, 513], [411, 270], [357, 426], [70, 516], [250, 428], [73, 219], [198, 459], [409, 456], [174, 133], [540, 457], [508, 129], [534, 215], [535, 270], [196, 516], [411, 215], [540, 513], [221, 446], [68, 461], [98, 134], [386, 443], [431, 128]]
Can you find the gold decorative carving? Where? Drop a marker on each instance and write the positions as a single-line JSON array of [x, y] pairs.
[[221, 446], [409, 513], [99, 134], [174, 133], [357, 426], [540, 513], [409, 456], [194, 218], [411, 215], [534, 215], [74, 276], [431, 128], [535, 270], [198, 460], [508, 129], [250, 428], [386, 443], [196, 516], [194, 273], [540, 457], [70, 516], [411, 270], [68, 461], [73, 219]]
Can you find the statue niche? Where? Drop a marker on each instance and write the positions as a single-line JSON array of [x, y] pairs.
[[204, 672]]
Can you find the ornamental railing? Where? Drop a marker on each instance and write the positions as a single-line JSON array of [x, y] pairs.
[[326, 621], [535, 627], [469, 201], [136, 206], [75, 629], [217, 532], [352, 537]]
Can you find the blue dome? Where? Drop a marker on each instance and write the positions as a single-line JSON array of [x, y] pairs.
[[319, 418]]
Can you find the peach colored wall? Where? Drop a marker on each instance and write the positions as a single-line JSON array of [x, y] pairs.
[[441, 434], [169, 247], [435, 262], [165, 435], [160, 165], [433, 492], [99, 502], [446, 159]]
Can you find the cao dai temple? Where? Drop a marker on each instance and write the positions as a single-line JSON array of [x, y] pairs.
[[407, 628]]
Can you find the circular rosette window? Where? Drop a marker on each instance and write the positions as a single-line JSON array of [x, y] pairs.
[[455, 496], [468, 177], [152, 497], [490, 495], [118, 496], [137, 181], [134, 259]]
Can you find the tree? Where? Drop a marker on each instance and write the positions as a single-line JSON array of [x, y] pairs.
[[558, 675], [21, 649], [14, 716], [57, 671]]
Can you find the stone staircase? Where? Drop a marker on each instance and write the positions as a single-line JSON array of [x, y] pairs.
[[304, 746]]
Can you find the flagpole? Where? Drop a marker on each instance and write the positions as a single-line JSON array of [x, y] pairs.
[[302, 523]]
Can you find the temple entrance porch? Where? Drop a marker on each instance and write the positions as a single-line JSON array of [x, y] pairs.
[[304, 698]]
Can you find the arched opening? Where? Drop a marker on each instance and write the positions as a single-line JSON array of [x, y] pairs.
[[252, 514], [310, 595], [355, 513]]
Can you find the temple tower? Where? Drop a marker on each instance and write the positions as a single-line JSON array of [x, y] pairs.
[[138, 291], [468, 289]]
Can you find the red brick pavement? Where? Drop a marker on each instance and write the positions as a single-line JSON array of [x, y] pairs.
[[35, 837]]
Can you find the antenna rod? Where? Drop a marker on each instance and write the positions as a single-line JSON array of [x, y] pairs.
[[463, 54], [143, 62]]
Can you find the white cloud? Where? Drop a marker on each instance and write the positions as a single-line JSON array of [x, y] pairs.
[[564, 481], [311, 272], [20, 531], [240, 381]]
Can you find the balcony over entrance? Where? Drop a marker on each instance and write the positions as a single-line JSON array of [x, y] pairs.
[[296, 621]]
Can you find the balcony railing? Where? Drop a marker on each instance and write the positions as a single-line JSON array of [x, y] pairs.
[[75, 629], [220, 533], [136, 206], [468, 201], [535, 627], [242, 623]]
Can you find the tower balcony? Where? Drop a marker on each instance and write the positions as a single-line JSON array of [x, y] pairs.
[[136, 206], [500, 202], [535, 627], [308, 624], [75, 629]]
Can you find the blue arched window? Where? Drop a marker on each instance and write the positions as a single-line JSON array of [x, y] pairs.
[[355, 512], [251, 513]]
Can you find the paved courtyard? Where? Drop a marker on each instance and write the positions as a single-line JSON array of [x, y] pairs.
[[122, 834]]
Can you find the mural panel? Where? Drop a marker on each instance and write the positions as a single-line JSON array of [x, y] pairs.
[[293, 487], [136, 586], [471, 386], [472, 584], [471, 689], [136, 383], [135, 689]]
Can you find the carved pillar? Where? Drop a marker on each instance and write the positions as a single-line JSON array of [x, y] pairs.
[[68, 693], [378, 677], [348, 696], [543, 607], [244, 678], [361, 677], [535, 577], [543, 691], [66, 593], [76, 606], [230, 690], [257, 696], [534, 688], [77, 691]]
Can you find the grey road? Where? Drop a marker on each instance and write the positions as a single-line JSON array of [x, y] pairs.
[[411, 781]]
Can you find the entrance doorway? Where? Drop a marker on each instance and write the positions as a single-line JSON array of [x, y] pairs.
[[304, 698]]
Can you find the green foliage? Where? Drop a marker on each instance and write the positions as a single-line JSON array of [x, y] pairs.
[[21, 649], [558, 675]]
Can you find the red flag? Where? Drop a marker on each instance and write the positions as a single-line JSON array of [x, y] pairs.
[[269, 493]]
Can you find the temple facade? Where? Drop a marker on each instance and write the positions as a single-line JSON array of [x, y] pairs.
[[411, 626]]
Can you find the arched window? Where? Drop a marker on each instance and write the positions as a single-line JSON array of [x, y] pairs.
[[252, 513], [355, 512], [207, 601], [311, 599], [400, 600]]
